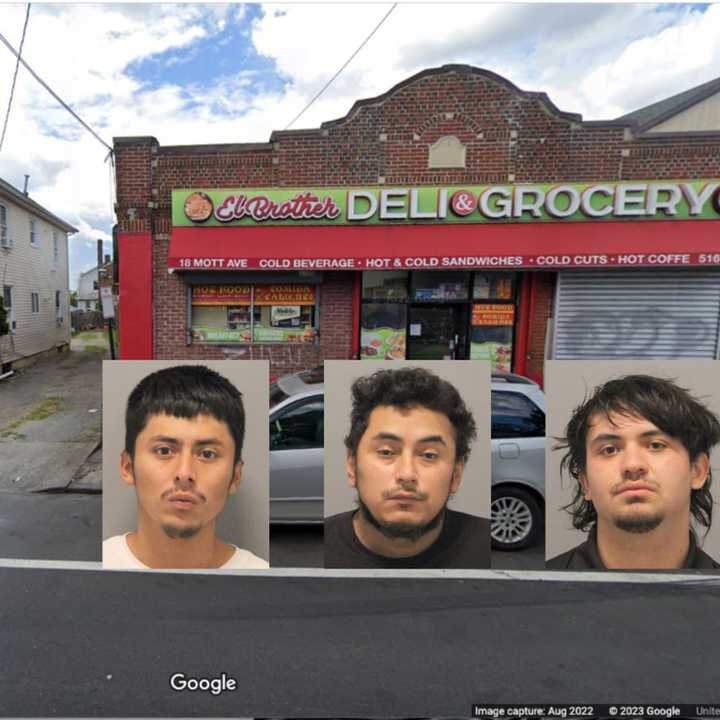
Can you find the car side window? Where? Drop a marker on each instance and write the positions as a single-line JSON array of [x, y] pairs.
[[515, 416], [299, 427]]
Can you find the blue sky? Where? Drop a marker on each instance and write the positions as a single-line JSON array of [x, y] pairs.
[[225, 52], [197, 73]]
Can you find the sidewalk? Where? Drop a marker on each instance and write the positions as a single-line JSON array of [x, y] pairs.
[[50, 445]]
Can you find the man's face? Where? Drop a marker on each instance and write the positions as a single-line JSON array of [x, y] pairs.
[[405, 469], [636, 475], [183, 471]]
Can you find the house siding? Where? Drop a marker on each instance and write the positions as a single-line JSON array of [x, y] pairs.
[[33, 269], [88, 294]]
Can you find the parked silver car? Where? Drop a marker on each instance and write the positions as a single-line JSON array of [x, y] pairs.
[[518, 455], [518, 462], [296, 447]]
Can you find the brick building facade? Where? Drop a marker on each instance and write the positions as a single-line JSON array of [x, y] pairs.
[[497, 135]]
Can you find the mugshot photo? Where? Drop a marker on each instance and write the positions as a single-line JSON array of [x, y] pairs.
[[185, 465], [407, 464], [632, 450]]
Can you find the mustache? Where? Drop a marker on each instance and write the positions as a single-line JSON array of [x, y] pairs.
[[405, 489], [628, 484], [176, 490]]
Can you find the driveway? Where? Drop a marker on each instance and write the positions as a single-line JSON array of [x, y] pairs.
[[50, 475]]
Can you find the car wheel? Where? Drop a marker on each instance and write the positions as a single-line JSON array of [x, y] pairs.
[[517, 519]]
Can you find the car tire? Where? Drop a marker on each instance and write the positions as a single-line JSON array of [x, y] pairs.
[[517, 519]]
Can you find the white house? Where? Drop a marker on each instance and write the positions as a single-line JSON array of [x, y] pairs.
[[87, 292], [33, 276]]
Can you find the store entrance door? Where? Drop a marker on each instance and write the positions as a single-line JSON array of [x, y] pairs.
[[437, 332]]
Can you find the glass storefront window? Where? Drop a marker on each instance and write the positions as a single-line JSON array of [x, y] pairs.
[[493, 286], [382, 333], [438, 314], [385, 284], [435, 285], [284, 323], [491, 335], [238, 316], [262, 313]]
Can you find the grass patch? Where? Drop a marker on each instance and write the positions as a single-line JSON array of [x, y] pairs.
[[94, 348], [90, 335], [44, 409]]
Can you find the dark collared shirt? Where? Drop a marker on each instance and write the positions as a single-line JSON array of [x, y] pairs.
[[587, 557]]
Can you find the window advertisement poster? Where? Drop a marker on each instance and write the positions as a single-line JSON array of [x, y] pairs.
[[229, 314], [383, 335], [491, 334], [493, 286]]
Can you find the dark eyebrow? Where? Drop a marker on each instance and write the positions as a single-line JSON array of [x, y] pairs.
[[606, 437], [165, 438], [174, 441], [208, 441], [433, 439], [397, 438]]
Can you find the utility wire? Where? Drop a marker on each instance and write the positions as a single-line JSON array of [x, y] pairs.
[[17, 67], [347, 62], [54, 94]]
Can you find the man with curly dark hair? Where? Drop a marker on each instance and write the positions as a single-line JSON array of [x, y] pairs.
[[409, 441], [639, 450]]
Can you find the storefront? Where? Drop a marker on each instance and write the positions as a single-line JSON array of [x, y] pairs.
[[406, 232]]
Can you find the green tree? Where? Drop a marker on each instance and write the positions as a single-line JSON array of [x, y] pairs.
[[4, 324]]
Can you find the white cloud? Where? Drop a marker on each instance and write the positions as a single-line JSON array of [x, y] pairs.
[[600, 60], [658, 66]]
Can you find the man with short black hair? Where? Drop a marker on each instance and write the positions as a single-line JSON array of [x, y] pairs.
[[185, 427], [408, 444], [639, 450]]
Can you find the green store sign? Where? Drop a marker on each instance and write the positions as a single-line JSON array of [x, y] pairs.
[[572, 202]]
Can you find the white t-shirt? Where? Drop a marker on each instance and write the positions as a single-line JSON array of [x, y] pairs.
[[117, 555]]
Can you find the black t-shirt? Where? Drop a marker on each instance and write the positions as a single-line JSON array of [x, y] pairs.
[[464, 542], [587, 557]]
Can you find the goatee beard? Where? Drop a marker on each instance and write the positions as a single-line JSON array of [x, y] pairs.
[[180, 533], [638, 525], [405, 531]]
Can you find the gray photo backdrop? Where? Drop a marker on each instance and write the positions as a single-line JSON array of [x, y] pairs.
[[244, 521], [567, 383], [472, 380]]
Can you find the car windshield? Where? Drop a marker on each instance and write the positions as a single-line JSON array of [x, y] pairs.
[[276, 395]]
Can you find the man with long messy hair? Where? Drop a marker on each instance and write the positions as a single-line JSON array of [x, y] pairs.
[[639, 451]]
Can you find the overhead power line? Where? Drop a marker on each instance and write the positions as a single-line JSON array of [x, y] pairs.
[[347, 62], [54, 94], [15, 74]]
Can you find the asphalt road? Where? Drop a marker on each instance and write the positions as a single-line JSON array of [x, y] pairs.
[[94, 643], [50, 526]]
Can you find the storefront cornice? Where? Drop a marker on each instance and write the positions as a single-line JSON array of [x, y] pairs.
[[458, 69], [213, 149], [134, 140], [279, 134]]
